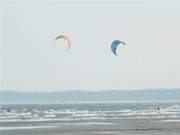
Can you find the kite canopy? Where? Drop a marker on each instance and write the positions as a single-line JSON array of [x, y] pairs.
[[115, 45], [66, 39]]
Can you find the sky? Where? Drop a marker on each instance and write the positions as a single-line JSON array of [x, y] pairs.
[[32, 61]]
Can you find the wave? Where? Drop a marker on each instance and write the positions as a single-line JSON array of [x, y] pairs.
[[88, 113], [25, 127]]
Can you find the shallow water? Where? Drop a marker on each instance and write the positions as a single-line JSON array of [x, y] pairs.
[[14, 116]]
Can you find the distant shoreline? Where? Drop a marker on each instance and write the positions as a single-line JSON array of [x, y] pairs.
[[78, 96]]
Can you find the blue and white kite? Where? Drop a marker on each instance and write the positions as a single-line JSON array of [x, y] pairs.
[[115, 45]]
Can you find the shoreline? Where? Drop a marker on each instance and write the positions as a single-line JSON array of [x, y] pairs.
[[96, 128]]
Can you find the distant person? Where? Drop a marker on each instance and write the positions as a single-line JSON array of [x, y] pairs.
[[8, 110], [158, 108]]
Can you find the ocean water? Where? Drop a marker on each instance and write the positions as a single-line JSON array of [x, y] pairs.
[[17, 116]]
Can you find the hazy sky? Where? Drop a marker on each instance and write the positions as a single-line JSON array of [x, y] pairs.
[[32, 60]]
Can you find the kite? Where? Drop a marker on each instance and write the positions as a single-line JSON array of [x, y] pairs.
[[115, 45], [65, 38]]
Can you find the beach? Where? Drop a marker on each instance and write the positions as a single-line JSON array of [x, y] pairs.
[[134, 128]]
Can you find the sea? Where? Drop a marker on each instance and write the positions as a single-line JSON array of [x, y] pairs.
[[18, 116]]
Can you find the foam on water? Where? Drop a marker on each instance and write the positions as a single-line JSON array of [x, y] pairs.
[[25, 127], [81, 113]]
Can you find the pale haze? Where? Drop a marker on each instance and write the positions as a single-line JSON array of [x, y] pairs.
[[33, 61]]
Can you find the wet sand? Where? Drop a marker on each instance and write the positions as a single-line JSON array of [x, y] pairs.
[[135, 128]]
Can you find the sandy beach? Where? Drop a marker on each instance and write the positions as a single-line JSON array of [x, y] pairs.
[[134, 128]]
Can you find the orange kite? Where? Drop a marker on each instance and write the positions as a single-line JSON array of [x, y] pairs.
[[65, 38]]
